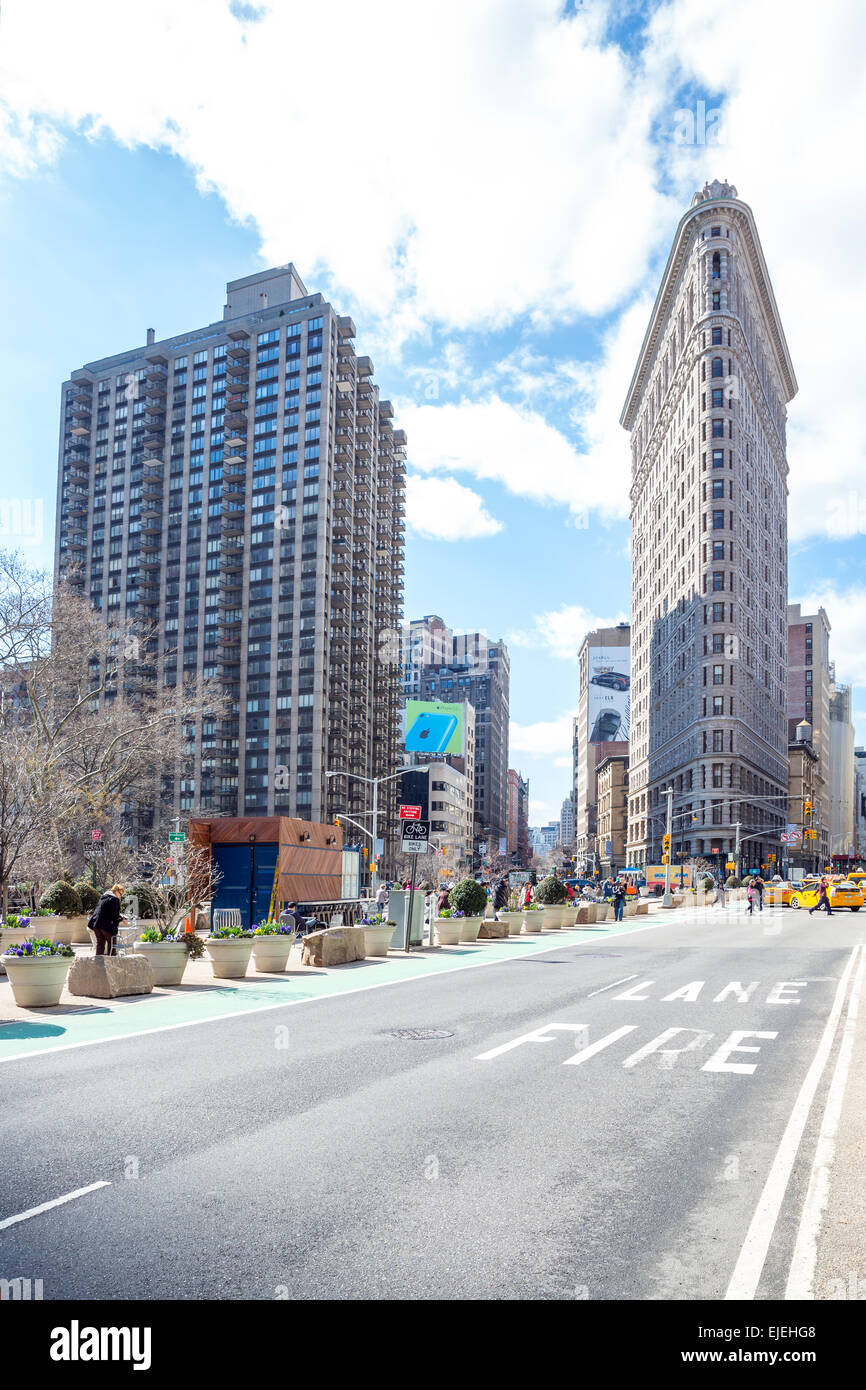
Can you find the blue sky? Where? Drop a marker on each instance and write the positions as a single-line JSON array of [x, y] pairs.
[[493, 203]]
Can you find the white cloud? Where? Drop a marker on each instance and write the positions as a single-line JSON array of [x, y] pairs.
[[548, 737], [846, 609], [562, 630], [541, 812], [442, 509], [514, 446], [496, 154]]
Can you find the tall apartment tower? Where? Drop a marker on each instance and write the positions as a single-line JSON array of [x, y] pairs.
[[808, 698], [600, 729], [242, 485], [706, 410], [842, 774]]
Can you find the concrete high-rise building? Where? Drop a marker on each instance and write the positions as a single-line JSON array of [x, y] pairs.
[[706, 411], [808, 699], [518, 818], [467, 666], [566, 824], [242, 485], [860, 803], [612, 784], [601, 729], [842, 773]]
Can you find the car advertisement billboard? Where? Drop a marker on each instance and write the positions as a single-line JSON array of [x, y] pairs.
[[432, 726], [609, 694]]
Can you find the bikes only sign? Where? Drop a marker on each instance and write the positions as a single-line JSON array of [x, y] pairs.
[[416, 837]]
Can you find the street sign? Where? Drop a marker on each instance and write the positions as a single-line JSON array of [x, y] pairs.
[[95, 835], [410, 812], [177, 837], [416, 837], [96, 845]]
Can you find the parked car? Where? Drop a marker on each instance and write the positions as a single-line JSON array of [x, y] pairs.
[[840, 894]]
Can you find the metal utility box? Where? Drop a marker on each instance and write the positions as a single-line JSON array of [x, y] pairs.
[[398, 909]]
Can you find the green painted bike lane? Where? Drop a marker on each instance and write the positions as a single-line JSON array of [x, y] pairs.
[[60, 1029]]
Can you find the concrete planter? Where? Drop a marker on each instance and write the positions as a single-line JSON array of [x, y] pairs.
[[79, 931], [378, 939], [271, 953], [642, 909], [12, 936], [533, 922], [551, 917], [448, 930], [513, 921], [167, 960], [230, 957], [587, 913], [37, 981], [469, 928], [603, 912], [630, 910], [569, 915], [57, 929]]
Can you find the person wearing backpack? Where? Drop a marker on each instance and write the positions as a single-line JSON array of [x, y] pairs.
[[105, 920]]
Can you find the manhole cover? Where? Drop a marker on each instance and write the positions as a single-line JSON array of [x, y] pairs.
[[417, 1034]]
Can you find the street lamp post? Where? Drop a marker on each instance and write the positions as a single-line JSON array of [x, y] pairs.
[[374, 783]]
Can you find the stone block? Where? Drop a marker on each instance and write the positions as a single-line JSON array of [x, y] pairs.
[[333, 946], [109, 977], [490, 930]]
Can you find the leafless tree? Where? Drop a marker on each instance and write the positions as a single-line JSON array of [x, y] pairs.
[[86, 734]]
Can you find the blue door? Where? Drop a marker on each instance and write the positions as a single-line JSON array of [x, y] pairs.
[[247, 879], [264, 867]]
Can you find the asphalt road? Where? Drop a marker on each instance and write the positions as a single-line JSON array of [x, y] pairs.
[[305, 1153]]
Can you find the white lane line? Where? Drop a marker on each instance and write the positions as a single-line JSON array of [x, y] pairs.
[[312, 999], [750, 1263], [624, 981], [46, 1206], [802, 1272]]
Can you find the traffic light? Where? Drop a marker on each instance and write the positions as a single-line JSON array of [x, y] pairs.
[[807, 807], [666, 843], [336, 820]]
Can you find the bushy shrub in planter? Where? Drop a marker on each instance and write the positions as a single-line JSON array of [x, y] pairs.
[[708, 884], [147, 905], [469, 897], [88, 894], [733, 882], [551, 891], [61, 899]]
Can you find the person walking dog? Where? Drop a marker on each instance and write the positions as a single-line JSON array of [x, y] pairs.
[[106, 919]]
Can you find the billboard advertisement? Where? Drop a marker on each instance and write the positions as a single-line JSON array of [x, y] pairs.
[[609, 694], [432, 726]]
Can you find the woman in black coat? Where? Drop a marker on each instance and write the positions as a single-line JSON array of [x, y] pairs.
[[106, 919]]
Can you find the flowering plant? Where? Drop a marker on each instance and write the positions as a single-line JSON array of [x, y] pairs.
[[451, 912], [156, 936], [13, 920], [226, 933], [40, 947], [274, 929]]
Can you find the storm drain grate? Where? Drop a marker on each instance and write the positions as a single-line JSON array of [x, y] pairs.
[[417, 1034]]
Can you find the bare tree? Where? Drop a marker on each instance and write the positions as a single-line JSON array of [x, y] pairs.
[[178, 880], [86, 735]]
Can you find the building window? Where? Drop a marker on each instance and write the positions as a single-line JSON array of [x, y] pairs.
[[718, 550], [718, 675], [717, 398], [718, 637], [718, 487], [717, 300], [718, 521], [718, 367], [717, 774], [717, 266], [718, 429], [718, 581], [718, 704], [718, 741], [717, 337], [715, 231]]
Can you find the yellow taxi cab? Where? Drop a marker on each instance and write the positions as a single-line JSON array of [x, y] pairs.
[[841, 894], [859, 878], [778, 894]]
